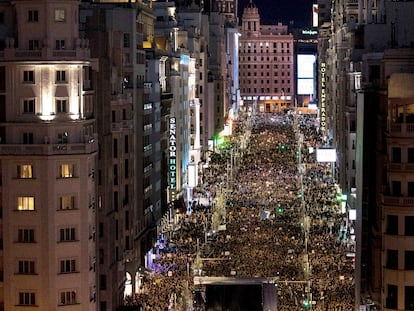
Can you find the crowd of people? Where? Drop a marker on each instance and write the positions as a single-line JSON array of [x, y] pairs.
[[276, 215]]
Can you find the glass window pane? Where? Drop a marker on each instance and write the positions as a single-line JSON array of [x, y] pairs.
[[409, 225], [392, 224], [25, 204]]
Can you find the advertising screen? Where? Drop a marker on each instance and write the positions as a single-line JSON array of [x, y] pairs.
[[306, 74], [325, 155]]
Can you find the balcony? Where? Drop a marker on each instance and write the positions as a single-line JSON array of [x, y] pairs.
[[147, 108], [398, 276], [148, 170], [49, 149], [397, 201], [148, 149], [403, 241], [147, 129], [121, 99], [401, 129], [406, 167], [121, 126], [44, 53]]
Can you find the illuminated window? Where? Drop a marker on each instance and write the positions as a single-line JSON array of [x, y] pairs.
[[66, 170], [25, 204], [25, 236], [59, 15], [32, 16], [61, 105], [67, 202], [29, 106], [25, 171], [26, 267], [27, 298], [28, 76], [68, 297], [68, 266]]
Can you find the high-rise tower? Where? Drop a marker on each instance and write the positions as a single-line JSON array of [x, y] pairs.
[[47, 157]]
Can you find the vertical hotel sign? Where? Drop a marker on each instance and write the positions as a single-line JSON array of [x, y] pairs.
[[172, 162], [323, 97]]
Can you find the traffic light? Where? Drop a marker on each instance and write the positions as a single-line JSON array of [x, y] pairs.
[[282, 147], [306, 304]]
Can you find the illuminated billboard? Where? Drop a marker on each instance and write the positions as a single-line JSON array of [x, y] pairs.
[[315, 15], [306, 74], [326, 155], [173, 158]]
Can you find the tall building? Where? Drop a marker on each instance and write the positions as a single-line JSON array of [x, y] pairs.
[[102, 117], [266, 63], [130, 159], [48, 153], [229, 9], [367, 69]]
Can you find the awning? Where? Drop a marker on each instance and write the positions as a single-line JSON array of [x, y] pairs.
[[61, 91]]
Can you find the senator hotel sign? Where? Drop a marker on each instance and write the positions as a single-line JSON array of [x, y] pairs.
[[172, 165]]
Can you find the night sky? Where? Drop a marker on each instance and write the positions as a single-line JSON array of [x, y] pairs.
[[295, 13]]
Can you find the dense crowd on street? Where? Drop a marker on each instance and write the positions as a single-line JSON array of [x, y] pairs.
[[279, 217]]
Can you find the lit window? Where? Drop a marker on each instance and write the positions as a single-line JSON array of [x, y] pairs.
[[59, 15], [27, 298], [66, 170], [25, 171], [68, 297], [25, 204], [29, 106], [66, 202], [68, 266], [25, 236], [26, 267]]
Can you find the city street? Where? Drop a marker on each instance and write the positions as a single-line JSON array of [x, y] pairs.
[[274, 223]]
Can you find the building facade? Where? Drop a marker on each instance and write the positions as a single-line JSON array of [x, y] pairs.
[[97, 100], [366, 66], [48, 155], [129, 166], [266, 63]]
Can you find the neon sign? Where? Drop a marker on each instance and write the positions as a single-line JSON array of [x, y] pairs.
[[172, 165], [323, 97]]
